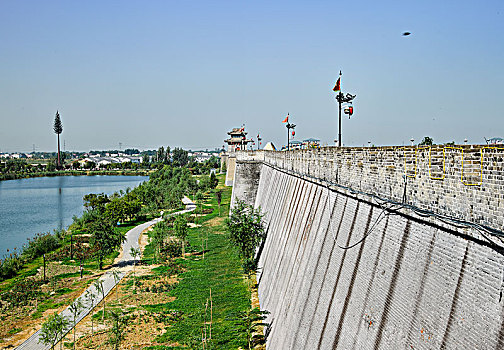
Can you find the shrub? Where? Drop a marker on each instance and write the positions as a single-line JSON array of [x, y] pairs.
[[10, 265], [246, 231], [41, 244], [171, 249], [22, 292]]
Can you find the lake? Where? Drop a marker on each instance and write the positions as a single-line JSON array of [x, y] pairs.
[[42, 204]]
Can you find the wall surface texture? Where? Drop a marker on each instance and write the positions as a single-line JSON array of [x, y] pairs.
[[230, 173], [346, 266]]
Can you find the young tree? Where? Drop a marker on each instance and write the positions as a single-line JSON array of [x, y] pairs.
[[89, 165], [135, 253], [145, 160], [58, 129], [118, 321], [218, 194], [199, 200], [427, 141], [117, 277], [93, 201], [131, 207], [75, 309], [180, 157], [99, 289], [160, 155], [250, 322], [180, 226], [214, 181], [167, 155], [115, 211], [53, 329], [104, 239], [91, 297], [246, 231]]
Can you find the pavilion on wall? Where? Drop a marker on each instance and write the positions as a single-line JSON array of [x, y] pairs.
[[237, 140]]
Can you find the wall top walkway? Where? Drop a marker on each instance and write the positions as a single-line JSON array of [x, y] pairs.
[[462, 182]]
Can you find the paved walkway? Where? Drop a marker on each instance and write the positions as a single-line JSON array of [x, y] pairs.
[[124, 266]]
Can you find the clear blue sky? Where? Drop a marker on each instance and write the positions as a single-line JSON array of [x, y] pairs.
[[183, 73]]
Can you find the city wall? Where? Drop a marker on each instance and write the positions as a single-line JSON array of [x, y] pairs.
[[379, 248]]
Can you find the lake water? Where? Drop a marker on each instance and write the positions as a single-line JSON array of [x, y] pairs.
[[42, 204]]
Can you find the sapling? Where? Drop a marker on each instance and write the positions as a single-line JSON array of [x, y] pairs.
[[52, 330], [118, 321], [75, 309], [117, 277], [180, 226], [135, 253], [99, 289], [91, 297]]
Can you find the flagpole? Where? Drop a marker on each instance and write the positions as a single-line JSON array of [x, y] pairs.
[[288, 131], [289, 126], [341, 98], [340, 95], [339, 118]]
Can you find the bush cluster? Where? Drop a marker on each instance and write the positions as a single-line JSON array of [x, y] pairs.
[[37, 246], [41, 244]]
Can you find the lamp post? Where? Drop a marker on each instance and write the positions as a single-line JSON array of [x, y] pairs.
[[341, 99], [289, 126]]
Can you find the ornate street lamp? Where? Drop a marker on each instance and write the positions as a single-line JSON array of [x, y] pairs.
[[289, 126], [342, 99]]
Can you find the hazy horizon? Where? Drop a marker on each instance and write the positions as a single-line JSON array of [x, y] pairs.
[[180, 74]]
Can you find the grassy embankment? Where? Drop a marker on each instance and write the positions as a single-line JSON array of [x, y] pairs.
[[27, 299], [187, 302]]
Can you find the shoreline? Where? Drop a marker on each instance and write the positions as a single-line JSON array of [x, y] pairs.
[[11, 176], [18, 245]]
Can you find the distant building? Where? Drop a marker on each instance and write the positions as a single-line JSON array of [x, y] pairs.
[[495, 141], [270, 147], [237, 139], [311, 143], [295, 144], [200, 157], [18, 155], [132, 159]]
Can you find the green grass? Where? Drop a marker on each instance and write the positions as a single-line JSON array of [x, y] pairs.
[[72, 274], [14, 331], [219, 271], [31, 268], [62, 291], [46, 306]]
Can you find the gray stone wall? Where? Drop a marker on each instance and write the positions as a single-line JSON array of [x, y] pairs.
[[246, 182], [464, 182], [407, 283], [230, 172], [344, 268]]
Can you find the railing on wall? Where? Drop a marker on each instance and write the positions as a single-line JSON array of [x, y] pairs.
[[465, 181], [467, 165]]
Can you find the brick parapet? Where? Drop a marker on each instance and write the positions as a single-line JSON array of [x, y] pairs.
[[464, 182]]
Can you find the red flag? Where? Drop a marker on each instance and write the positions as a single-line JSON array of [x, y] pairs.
[[337, 87], [286, 120]]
